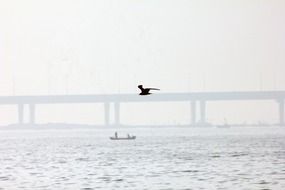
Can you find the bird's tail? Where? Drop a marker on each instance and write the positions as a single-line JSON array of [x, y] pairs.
[[154, 89]]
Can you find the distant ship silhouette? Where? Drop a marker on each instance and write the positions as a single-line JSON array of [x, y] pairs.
[[145, 91]]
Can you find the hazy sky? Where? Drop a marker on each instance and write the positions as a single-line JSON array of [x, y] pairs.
[[89, 46]]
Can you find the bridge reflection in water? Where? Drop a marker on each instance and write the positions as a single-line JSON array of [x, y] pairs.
[[195, 98]]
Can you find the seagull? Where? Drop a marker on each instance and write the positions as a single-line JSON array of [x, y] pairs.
[[145, 91]]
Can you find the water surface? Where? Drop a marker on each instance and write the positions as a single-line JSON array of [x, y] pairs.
[[160, 158]]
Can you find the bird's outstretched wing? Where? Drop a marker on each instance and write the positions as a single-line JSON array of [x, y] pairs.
[[154, 89]]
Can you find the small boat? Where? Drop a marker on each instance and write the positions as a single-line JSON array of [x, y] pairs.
[[225, 125], [123, 138]]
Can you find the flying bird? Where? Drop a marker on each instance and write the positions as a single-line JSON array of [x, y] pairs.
[[145, 91]]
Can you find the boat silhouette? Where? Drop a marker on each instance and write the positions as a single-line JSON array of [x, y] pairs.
[[123, 138]]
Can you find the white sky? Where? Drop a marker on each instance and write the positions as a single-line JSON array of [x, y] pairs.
[[89, 46]]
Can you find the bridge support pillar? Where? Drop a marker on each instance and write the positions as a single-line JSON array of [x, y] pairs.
[[107, 113], [117, 113], [281, 112], [203, 111], [20, 113], [32, 113], [193, 113]]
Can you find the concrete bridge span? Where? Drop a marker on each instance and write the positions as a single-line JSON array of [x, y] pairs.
[[195, 98]]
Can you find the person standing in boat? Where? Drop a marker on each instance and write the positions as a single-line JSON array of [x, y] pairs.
[[116, 134]]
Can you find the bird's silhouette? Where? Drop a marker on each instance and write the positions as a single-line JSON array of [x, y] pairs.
[[145, 91]]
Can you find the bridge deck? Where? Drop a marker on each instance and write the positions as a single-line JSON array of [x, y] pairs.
[[92, 98]]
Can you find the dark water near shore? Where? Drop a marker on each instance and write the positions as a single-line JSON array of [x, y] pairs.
[[160, 158]]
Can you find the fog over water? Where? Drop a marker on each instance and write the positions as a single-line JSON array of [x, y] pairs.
[[88, 47]]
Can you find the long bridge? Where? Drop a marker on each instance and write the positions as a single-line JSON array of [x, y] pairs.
[[196, 99]]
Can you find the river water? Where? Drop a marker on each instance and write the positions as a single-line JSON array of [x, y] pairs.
[[160, 158]]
